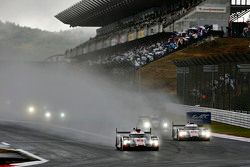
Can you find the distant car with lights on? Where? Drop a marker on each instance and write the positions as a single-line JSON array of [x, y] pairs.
[[155, 122], [190, 132], [136, 140]]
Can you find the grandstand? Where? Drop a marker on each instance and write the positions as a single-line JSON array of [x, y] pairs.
[[138, 32], [134, 33]]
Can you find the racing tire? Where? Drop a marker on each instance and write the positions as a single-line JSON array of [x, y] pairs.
[[206, 139], [156, 149], [178, 139], [123, 148], [117, 148]]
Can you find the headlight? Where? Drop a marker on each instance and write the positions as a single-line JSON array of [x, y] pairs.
[[62, 115], [206, 133], [47, 114], [165, 125], [182, 133], [31, 109], [147, 125], [126, 142], [154, 142]]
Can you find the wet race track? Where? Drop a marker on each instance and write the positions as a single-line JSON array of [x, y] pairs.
[[65, 151]]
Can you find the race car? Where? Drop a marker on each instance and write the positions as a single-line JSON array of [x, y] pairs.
[[136, 140], [155, 122], [190, 132], [144, 123]]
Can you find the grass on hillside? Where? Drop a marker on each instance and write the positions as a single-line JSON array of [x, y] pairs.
[[220, 46], [161, 74]]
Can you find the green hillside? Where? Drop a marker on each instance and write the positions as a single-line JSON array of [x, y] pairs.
[[23, 43]]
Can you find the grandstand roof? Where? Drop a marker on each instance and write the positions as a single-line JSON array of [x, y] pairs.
[[98, 13], [239, 8]]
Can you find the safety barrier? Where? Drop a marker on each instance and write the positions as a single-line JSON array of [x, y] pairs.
[[224, 116]]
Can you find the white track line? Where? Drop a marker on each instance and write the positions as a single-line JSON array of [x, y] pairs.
[[5, 144], [40, 160], [243, 139]]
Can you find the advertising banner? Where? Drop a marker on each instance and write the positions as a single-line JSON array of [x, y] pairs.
[[207, 9], [114, 41], [107, 43], [245, 68], [73, 53], [92, 47], [199, 118], [124, 38], [85, 49], [141, 33], [131, 36], [79, 51], [99, 45]]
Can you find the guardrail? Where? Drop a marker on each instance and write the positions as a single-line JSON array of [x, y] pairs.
[[224, 116]]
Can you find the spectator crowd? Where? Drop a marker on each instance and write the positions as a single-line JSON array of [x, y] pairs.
[[150, 51]]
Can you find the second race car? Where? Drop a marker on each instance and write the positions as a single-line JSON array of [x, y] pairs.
[[190, 132]]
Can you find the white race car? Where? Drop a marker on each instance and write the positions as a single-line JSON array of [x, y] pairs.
[[146, 122], [190, 132], [136, 140]]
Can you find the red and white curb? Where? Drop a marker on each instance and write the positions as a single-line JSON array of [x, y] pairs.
[[38, 161], [5, 144], [243, 139]]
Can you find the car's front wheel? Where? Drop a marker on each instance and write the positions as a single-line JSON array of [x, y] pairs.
[[116, 145], [155, 149], [123, 148]]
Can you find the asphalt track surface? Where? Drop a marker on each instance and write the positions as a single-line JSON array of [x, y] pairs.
[[66, 152]]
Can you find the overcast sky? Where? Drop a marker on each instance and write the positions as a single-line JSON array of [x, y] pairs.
[[35, 13]]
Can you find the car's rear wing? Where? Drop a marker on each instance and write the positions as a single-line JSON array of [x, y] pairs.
[[121, 132], [128, 132], [149, 132], [177, 125]]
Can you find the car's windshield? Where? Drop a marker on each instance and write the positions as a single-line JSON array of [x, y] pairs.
[[191, 128], [137, 136]]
